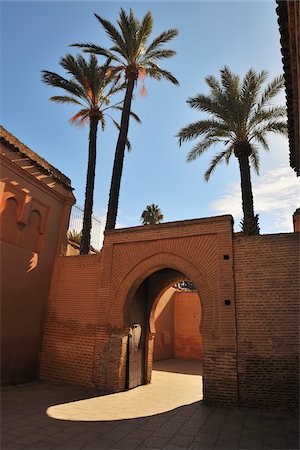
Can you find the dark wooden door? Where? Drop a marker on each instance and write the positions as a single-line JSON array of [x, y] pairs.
[[135, 356]]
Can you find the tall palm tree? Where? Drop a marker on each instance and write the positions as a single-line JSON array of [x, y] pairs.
[[240, 118], [151, 215], [90, 88], [134, 58]]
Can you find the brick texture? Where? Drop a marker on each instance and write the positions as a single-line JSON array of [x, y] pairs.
[[267, 303], [248, 288], [85, 339]]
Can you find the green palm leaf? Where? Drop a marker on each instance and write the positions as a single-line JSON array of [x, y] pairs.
[[214, 163], [65, 99], [164, 37]]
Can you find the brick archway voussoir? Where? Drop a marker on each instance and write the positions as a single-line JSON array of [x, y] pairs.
[[137, 274]]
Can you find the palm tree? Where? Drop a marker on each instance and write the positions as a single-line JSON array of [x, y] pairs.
[[74, 236], [90, 88], [151, 215], [241, 117], [134, 58]]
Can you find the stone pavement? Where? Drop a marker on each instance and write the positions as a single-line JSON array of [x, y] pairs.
[[167, 414]]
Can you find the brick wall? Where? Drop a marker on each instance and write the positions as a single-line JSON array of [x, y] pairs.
[[249, 328], [91, 298], [72, 316], [267, 298]]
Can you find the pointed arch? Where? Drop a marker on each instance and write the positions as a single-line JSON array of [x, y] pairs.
[[144, 268]]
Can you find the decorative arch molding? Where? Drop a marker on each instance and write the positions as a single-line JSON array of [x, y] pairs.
[[120, 303], [9, 191]]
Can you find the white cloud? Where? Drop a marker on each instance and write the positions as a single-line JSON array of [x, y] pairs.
[[276, 196]]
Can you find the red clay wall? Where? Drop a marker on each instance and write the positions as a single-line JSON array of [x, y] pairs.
[[187, 318], [34, 218], [164, 327], [267, 306], [177, 327]]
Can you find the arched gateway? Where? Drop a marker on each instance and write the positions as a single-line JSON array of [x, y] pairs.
[[122, 286], [198, 250]]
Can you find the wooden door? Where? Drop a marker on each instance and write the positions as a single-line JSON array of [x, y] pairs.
[[135, 356]]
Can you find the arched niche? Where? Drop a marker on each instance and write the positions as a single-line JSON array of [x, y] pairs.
[[9, 225], [30, 235]]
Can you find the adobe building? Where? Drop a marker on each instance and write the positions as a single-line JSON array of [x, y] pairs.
[[36, 200]]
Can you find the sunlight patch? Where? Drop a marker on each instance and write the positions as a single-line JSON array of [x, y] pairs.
[[168, 391]]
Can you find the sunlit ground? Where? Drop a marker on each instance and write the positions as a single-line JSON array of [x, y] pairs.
[[168, 390]]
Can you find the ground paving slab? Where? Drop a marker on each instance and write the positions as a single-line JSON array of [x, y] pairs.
[[169, 413]]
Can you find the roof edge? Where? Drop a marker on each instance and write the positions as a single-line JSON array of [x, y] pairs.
[[17, 146]]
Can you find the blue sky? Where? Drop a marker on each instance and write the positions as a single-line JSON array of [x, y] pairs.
[[35, 35]]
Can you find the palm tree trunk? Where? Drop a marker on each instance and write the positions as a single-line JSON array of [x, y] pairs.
[[89, 188], [119, 159], [250, 221]]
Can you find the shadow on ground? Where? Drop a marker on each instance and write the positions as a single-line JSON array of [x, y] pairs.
[[25, 424], [179, 366]]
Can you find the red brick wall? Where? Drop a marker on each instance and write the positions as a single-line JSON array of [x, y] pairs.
[[72, 316], [86, 329], [267, 305]]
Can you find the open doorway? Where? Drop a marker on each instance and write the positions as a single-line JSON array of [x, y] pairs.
[[164, 330]]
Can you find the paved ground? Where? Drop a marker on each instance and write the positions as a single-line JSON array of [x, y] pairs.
[[167, 414]]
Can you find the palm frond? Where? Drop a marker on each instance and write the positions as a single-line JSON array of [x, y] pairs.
[[250, 88], [144, 32], [164, 37], [102, 121], [261, 115], [80, 118], [127, 142], [275, 127], [255, 159], [65, 99], [55, 80], [127, 33], [271, 91], [156, 72], [97, 50], [158, 54], [200, 148], [258, 135], [229, 153], [199, 128], [113, 34], [132, 114], [214, 85], [209, 105], [213, 164], [230, 83], [70, 64]]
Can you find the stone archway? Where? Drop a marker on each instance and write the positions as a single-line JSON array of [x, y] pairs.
[[159, 275]]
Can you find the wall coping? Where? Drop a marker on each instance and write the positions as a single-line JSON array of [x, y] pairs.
[[179, 224]]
